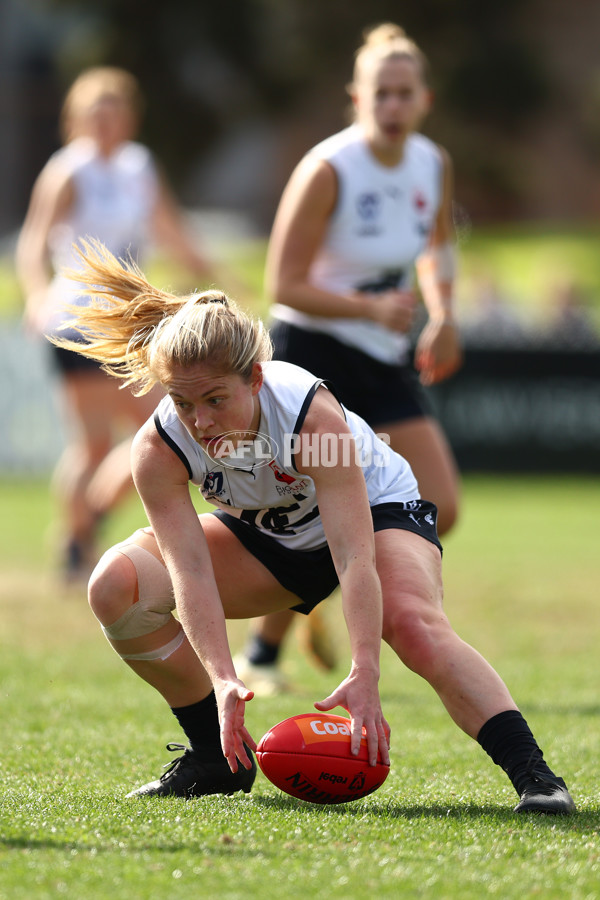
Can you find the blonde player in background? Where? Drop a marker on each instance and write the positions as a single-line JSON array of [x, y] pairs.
[[100, 184]]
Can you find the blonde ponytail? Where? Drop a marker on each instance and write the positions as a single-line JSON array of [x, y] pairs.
[[138, 332]]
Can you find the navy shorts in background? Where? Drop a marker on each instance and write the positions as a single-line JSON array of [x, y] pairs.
[[378, 392], [67, 361]]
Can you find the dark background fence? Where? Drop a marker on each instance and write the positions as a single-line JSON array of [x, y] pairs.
[[523, 410]]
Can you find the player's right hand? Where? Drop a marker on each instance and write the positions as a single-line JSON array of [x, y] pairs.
[[394, 310]]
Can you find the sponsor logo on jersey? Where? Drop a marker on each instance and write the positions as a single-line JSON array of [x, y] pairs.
[[281, 476], [420, 201], [290, 490]]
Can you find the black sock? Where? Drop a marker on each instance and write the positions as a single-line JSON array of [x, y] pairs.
[[260, 653], [200, 723], [507, 738]]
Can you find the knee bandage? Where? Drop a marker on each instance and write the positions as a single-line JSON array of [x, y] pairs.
[[153, 608]]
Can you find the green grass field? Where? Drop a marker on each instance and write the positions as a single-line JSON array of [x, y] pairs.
[[80, 730]]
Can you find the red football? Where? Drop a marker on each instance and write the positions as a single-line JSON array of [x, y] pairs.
[[308, 756]]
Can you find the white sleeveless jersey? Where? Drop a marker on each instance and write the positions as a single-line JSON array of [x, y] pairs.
[[262, 487], [113, 201], [381, 224]]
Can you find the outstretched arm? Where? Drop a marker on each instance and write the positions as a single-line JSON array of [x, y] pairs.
[[343, 499]]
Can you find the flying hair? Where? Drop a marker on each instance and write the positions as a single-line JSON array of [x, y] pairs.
[[138, 332]]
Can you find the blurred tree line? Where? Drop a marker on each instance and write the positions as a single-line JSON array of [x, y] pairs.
[[209, 67]]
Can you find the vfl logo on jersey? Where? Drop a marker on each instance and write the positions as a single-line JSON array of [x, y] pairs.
[[368, 206], [212, 485]]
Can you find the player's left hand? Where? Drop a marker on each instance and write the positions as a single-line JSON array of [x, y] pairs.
[[232, 696], [438, 353], [359, 695]]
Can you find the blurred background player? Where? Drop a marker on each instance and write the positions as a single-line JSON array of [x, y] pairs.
[[360, 212], [101, 184]]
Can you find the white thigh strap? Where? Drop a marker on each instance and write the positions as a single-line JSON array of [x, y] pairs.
[[160, 652]]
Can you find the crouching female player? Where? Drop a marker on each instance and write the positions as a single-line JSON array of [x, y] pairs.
[[288, 469]]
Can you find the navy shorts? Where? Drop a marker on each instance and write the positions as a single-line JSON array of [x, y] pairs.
[[378, 392], [67, 361], [310, 574]]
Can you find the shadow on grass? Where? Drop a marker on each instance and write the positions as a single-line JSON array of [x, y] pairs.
[[225, 849], [582, 821]]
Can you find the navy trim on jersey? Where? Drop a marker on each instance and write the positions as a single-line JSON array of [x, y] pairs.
[[304, 409], [171, 443]]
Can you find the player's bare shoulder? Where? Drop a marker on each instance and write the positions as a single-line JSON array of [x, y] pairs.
[[153, 459], [314, 181]]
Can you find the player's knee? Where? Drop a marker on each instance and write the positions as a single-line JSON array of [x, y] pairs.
[[112, 587], [414, 632], [131, 593]]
